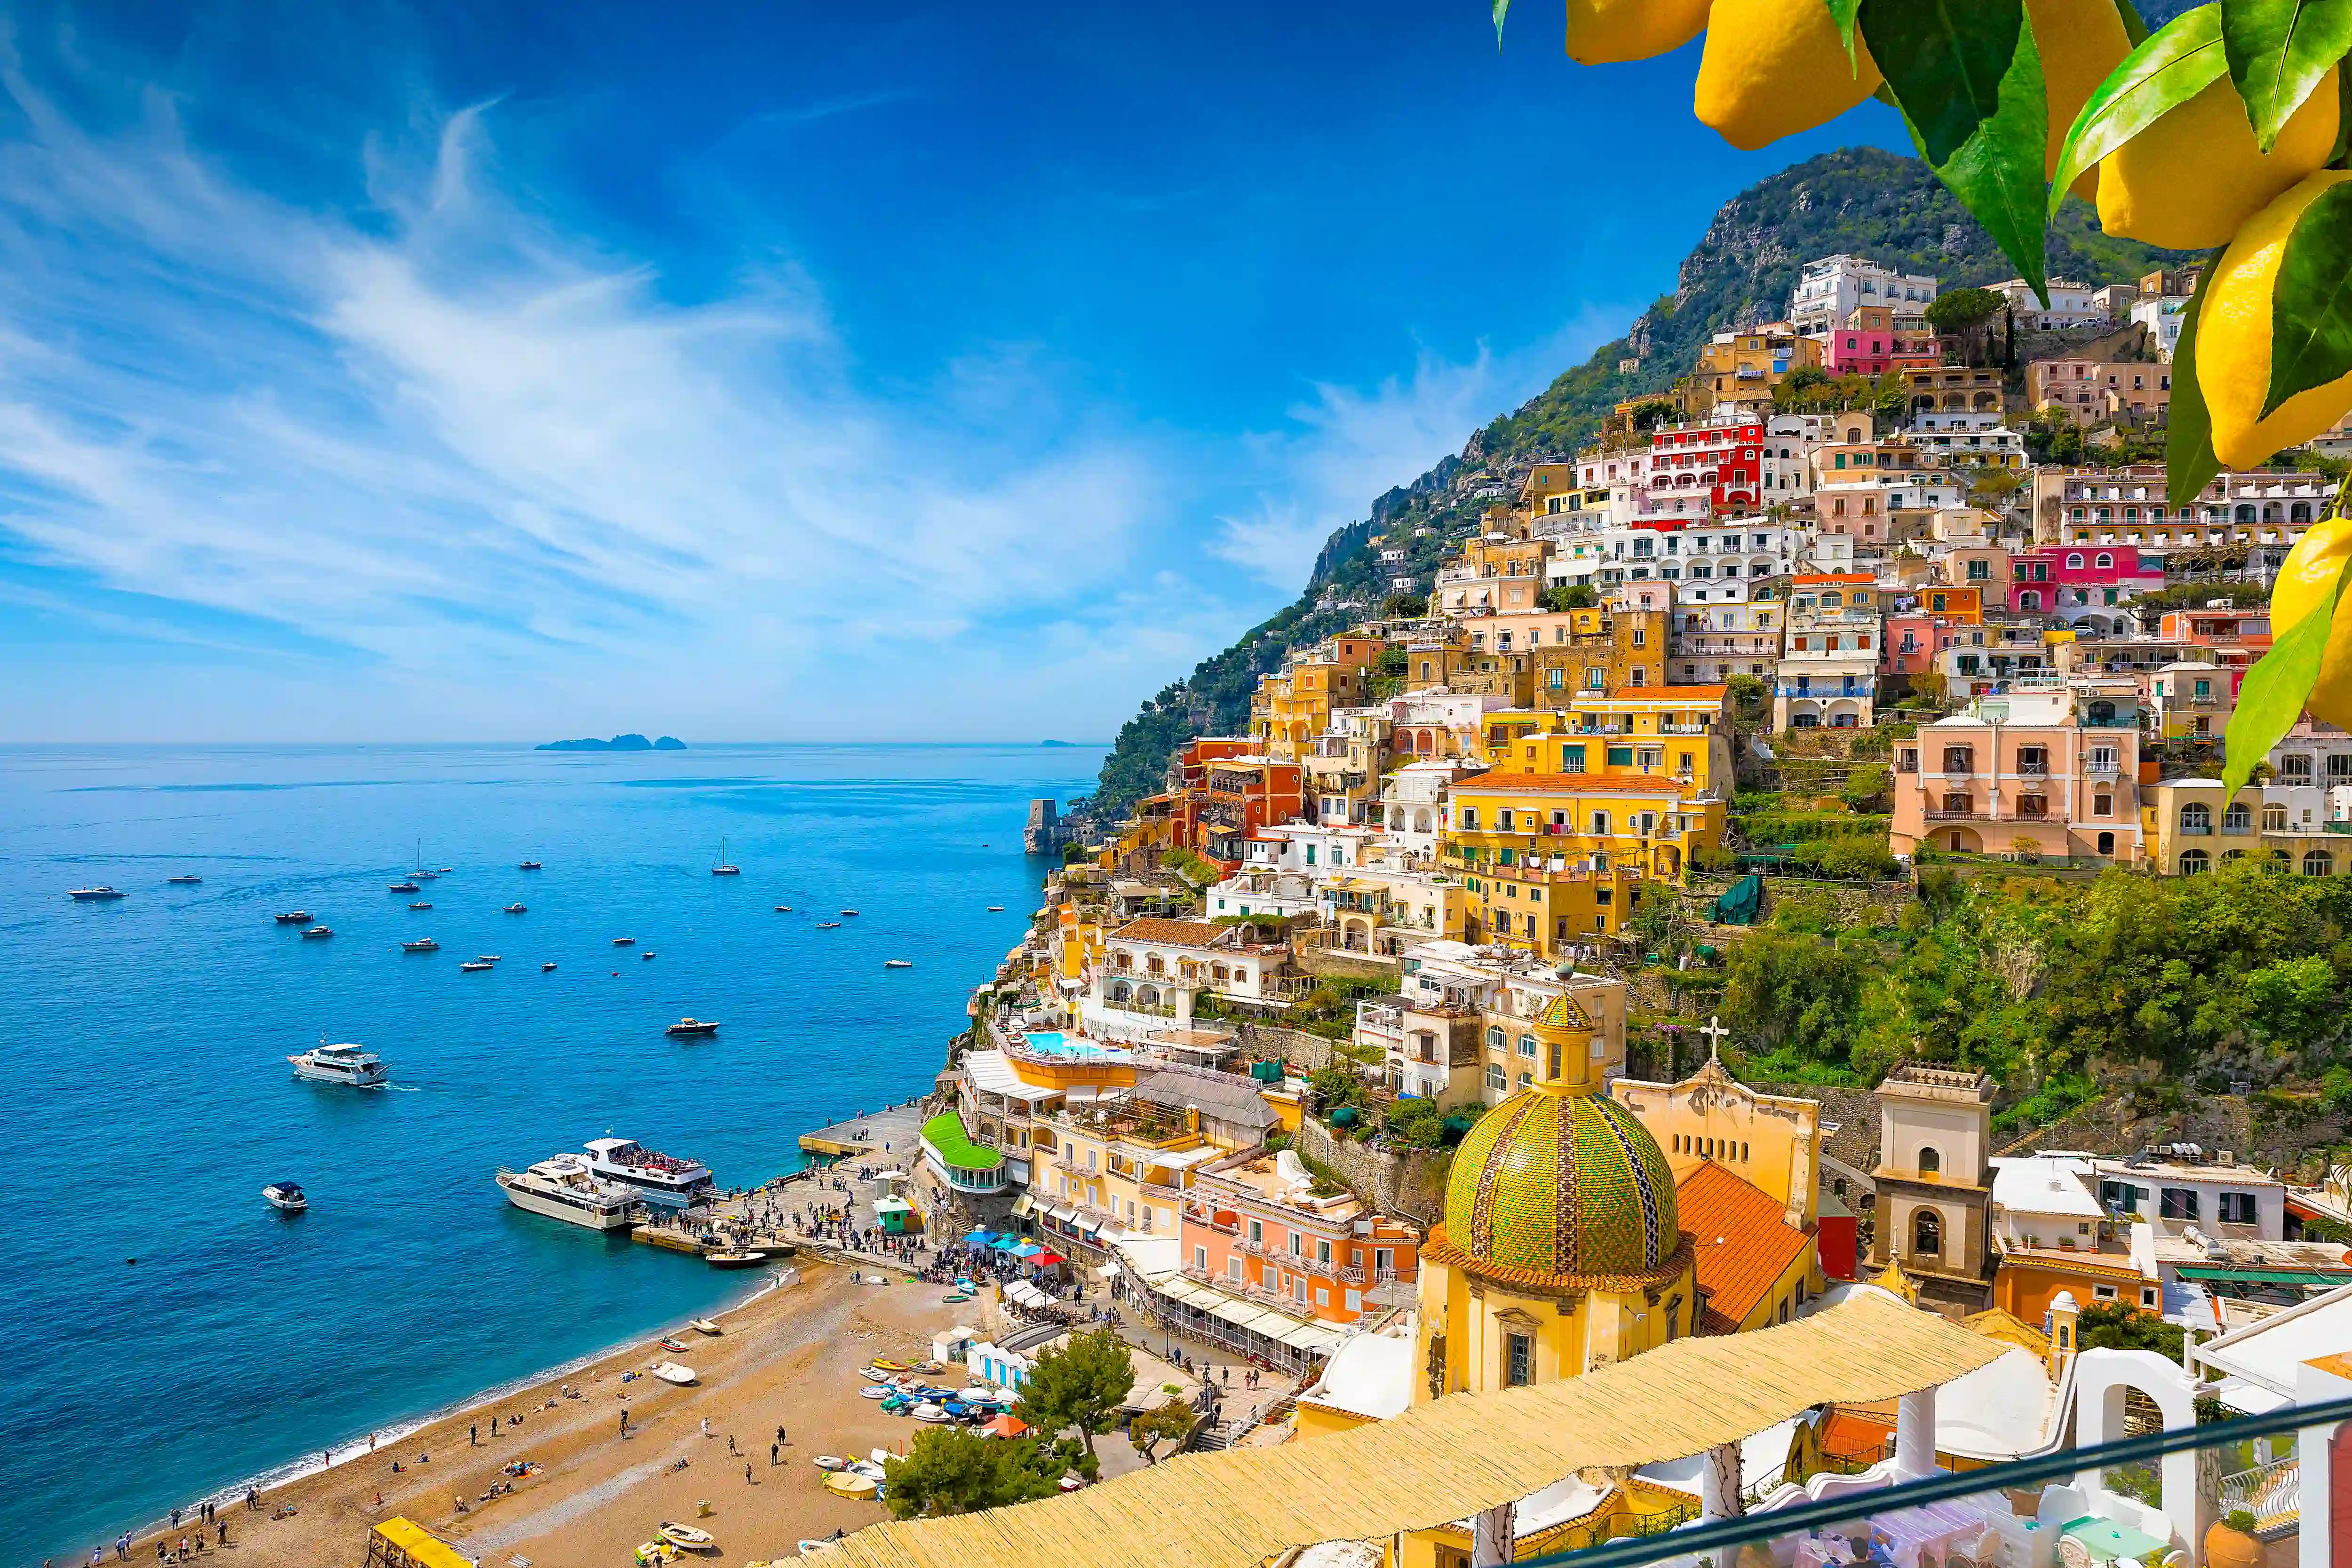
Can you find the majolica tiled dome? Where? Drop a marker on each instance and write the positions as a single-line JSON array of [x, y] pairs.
[[1561, 1188]]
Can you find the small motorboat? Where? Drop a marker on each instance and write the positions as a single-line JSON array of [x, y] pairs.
[[185, 880], [624, 941], [932, 1414], [545, 968], [445, 870], [672, 1342], [475, 967], [873, 1374], [420, 904], [734, 1259], [96, 894], [672, 1372], [292, 917], [702, 1325], [488, 958], [686, 1538], [898, 963], [655, 1553], [956, 1300], [849, 1483], [517, 909], [402, 886], [996, 909], [979, 1393], [886, 1365], [422, 944], [685, 1027], [878, 1391], [648, 956], [783, 909], [849, 914], [285, 1196], [317, 933], [828, 925], [831, 1462], [528, 865]]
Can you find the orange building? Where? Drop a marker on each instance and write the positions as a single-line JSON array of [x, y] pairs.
[[1257, 1226]]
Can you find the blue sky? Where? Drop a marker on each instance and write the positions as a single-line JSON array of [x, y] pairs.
[[765, 371]]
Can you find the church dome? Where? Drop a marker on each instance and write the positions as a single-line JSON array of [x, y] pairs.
[[1562, 1189]]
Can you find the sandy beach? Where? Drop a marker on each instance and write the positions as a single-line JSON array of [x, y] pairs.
[[788, 1357]]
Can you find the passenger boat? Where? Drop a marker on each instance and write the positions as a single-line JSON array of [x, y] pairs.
[[563, 1188], [692, 1026], [422, 944], [898, 963], [657, 1178], [722, 866], [476, 967], [403, 885], [624, 941], [317, 933], [516, 909], [98, 893], [185, 880], [686, 1537], [292, 917], [734, 1259], [528, 865], [346, 1063], [672, 1372], [285, 1196]]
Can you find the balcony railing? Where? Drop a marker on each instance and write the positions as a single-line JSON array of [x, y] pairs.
[[2273, 1493]]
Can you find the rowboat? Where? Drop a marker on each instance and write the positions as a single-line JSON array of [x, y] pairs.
[[849, 1483], [831, 1462], [673, 1343], [702, 1325], [873, 1374]]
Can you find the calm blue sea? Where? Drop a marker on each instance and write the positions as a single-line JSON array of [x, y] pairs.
[[147, 1098]]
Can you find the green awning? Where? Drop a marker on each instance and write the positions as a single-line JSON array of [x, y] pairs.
[[2220, 1275]]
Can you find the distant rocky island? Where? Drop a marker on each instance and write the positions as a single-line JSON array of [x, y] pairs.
[[618, 742]]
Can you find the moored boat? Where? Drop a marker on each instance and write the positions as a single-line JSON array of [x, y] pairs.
[[185, 880], [690, 1026], [545, 968], [851, 914], [528, 865], [420, 906], [285, 1196], [403, 885], [516, 909], [563, 1188], [656, 1177], [292, 917], [317, 933], [898, 963], [422, 944], [624, 941], [100, 893], [722, 866], [734, 1259], [476, 967]]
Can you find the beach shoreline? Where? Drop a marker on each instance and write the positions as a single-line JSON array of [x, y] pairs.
[[786, 1357]]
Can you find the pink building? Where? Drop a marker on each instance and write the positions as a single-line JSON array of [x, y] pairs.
[[1869, 345], [2079, 582], [2048, 770], [1914, 636]]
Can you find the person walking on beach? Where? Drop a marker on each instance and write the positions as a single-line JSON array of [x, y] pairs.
[[747, 1473], [122, 1548], [773, 1450], [624, 1423], [474, 1435], [779, 1433]]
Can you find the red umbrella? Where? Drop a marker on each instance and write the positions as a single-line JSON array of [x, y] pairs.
[[1047, 1259]]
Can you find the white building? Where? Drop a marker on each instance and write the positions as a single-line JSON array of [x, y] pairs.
[[1829, 289], [2071, 304], [1713, 644], [1968, 439], [1415, 800], [2162, 318]]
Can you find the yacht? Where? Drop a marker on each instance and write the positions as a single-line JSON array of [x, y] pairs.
[[285, 1196], [655, 1177], [292, 917], [420, 903], [185, 880], [515, 909], [529, 865], [422, 944], [566, 1188], [722, 866], [851, 914], [546, 966], [828, 925], [898, 963], [477, 967], [783, 909], [353, 1064], [102, 891], [317, 933], [996, 909], [624, 941], [684, 1026], [403, 885]]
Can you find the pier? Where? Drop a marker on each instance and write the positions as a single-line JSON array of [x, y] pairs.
[[886, 1136]]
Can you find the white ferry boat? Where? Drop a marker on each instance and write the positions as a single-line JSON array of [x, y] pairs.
[[352, 1064], [654, 1178], [566, 1188]]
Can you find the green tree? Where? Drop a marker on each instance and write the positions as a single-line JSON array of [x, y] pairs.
[[1857, 854], [1567, 596], [1404, 606], [1651, 412], [952, 1470], [1966, 316], [1866, 786], [1169, 1423], [2119, 1325], [1079, 1383]]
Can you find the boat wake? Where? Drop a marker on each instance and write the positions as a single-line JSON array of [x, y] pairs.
[[403, 1088]]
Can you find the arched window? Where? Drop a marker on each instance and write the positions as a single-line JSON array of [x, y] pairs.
[[2318, 862], [2029, 599], [1931, 1161], [2196, 818], [1527, 1045], [1148, 994], [1219, 972], [2195, 862], [2238, 818], [1928, 1234], [2105, 560], [2075, 562], [1496, 1038], [1155, 964], [1120, 990]]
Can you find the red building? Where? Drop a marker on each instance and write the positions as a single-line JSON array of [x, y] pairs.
[[1725, 460], [1227, 789]]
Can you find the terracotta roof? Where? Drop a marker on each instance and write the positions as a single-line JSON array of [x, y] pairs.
[[1174, 933], [1743, 1241], [1574, 783]]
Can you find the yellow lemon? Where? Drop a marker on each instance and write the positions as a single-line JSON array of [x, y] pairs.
[[2233, 339], [2080, 42], [2189, 180], [1773, 68], [1605, 32], [2303, 583]]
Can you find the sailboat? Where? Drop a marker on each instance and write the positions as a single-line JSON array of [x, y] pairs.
[[722, 866], [422, 872]]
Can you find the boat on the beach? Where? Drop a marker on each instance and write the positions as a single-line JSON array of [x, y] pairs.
[[831, 1462], [670, 1372], [849, 1483], [702, 1325], [563, 1188], [734, 1259], [354, 1065], [670, 1341], [875, 1375], [886, 1365], [722, 866], [656, 1177], [686, 1537], [317, 933], [475, 967], [183, 880], [528, 865], [932, 1414], [624, 941], [292, 917], [517, 909], [285, 1196], [422, 944], [898, 963], [879, 1391], [689, 1026], [96, 894]]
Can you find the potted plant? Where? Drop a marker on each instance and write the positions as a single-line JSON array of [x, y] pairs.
[[2230, 1543]]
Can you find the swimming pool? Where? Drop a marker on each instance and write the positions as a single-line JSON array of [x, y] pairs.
[[1054, 1042]]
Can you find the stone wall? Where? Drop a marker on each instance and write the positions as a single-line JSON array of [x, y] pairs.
[[1302, 1052], [1322, 962], [1410, 1184]]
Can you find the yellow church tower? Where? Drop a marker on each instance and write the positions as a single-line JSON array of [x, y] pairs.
[[1561, 1250]]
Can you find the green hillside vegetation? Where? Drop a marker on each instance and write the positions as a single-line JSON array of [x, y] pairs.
[[1860, 201]]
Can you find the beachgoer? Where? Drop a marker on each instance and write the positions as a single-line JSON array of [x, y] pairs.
[[176, 1519], [780, 1431], [747, 1474], [773, 1450], [222, 1525], [474, 1435]]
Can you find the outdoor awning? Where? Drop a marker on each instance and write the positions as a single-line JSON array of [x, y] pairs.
[[1108, 1271], [892, 1205], [1308, 1336], [1027, 1249], [1047, 1259], [1008, 1244], [1023, 1205], [979, 1238], [2222, 1274], [1063, 1216]]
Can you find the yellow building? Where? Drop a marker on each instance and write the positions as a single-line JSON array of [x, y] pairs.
[[1102, 1172], [1684, 731], [1512, 825], [1292, 707], [1744, 366], [2288, 827]]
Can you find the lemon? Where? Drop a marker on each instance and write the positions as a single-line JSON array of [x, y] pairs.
[[1773, 68], [2080, 42], [2189, 180], [2302, 585], [2233, 339], [1604, 32]]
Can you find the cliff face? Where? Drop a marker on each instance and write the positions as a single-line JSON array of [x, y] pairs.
[[1860, 201]]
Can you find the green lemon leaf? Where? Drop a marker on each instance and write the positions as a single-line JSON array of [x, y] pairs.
[[1502, 9], [2279, 51], [1844, 12], [1949, 63], [2134, 29], [2190, 464], [1995, 169], [2311, 303], [2178, 61], [2273, 695]]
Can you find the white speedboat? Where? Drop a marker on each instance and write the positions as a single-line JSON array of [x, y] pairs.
[[285, 1196], [564, 1188], [346, 1063], [702, 1325], [671, 1372], [657, 1178], [317, 933], [475, 967], [517, 909], [898, 963], [99, 893], [545, 968], [624, 941]]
